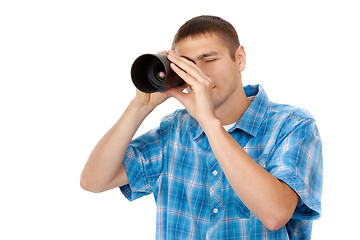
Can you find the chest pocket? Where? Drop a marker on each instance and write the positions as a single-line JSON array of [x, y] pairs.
[[241, 210], [236, 207]]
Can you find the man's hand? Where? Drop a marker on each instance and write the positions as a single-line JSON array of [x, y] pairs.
[[199, 101], [150, 100]]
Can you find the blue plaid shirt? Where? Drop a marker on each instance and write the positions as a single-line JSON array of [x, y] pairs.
[[193, 197]]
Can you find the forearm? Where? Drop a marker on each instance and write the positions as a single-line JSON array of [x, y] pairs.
[[105, 161], [271, 200]]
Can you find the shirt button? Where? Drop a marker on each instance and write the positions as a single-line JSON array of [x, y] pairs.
[[214, 172], [215, 210]]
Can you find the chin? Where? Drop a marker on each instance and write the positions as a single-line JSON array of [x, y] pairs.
[[217, 103]]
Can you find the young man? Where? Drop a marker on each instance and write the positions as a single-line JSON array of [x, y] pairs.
[[231, 165]]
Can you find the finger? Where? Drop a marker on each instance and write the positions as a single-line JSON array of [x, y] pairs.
[[183, 63], [178, 95], [180, 88], [164, 52], [184, 75], [187, 66]]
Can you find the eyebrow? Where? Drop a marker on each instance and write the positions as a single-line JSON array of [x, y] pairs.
[[202, 56], [208, 54]]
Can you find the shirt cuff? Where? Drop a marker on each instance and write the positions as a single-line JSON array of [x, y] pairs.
[[308, 207], [138, 185]]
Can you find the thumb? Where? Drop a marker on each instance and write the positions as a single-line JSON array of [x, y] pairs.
[[178, 94]]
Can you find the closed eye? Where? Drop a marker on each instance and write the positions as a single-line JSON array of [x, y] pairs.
[[210, 60]]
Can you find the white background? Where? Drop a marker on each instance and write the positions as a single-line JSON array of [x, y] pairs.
[[65, 80]]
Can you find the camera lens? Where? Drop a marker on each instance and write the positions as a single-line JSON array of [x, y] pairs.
[[159, 72], [156, 74], [152, 73]]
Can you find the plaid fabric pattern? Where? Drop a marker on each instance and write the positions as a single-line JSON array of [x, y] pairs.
[[195, 200]]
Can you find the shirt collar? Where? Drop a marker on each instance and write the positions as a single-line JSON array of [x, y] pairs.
[[252, 118]]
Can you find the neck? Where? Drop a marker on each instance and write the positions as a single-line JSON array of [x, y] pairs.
[[227, 113]]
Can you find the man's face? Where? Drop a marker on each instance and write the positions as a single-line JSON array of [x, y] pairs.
[[210, 54]]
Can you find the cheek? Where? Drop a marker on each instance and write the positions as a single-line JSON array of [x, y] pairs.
[[215, 72], [222, 77], [221, 74]]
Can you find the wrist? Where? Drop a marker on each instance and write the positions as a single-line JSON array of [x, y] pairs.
[[210, 124], [140, 109]]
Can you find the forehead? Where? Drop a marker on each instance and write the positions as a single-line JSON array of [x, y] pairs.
[[200, 44]]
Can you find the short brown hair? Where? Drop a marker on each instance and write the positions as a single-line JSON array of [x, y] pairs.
[[209, 24]]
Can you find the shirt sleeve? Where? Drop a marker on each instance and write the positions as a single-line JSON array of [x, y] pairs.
[[143, 163], [297, 160]]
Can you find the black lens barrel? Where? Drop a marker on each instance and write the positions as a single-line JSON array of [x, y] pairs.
[[146, 71]]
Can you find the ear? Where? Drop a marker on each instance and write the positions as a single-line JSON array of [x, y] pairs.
[[240, 58]]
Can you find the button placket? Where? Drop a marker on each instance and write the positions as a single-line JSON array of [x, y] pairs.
[[215, 194]]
